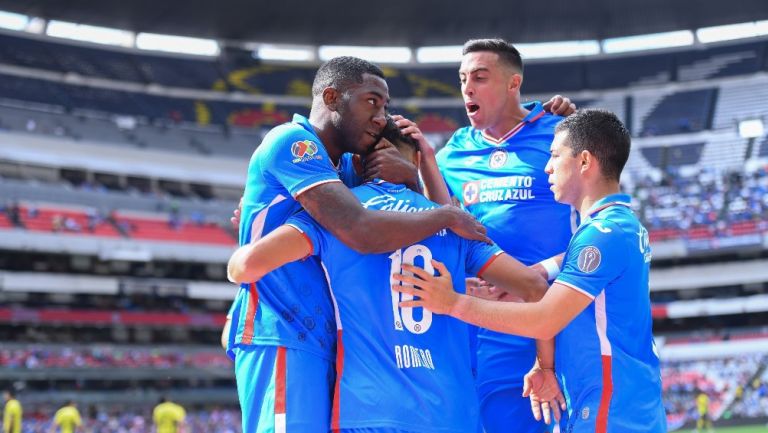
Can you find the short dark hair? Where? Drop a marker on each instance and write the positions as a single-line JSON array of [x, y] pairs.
[[602, 134], [395, 136], [342, 72], [507, 52]]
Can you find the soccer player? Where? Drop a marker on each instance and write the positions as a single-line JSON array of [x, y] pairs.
[[283, 334], [11, 413], [495, 168], [598, 307], [67, 419], [704, 419], [398, 370], [169, 417]]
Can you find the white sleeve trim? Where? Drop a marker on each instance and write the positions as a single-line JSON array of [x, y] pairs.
[[310, 186], [578, 289]]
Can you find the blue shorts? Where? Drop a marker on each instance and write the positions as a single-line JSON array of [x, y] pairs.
[[506, 411], [283, 390]]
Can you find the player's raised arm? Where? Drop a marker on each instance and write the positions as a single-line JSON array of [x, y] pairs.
[[251, 262], [367, 231], [540, 320]]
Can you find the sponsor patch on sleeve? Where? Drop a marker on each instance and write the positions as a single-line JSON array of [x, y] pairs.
[[589, 259], [304, 150]]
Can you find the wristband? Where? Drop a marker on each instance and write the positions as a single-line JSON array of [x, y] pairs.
[[550, 265]]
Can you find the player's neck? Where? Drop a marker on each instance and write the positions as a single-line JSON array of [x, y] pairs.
[[594, 194], [510, 120], [329, 137]]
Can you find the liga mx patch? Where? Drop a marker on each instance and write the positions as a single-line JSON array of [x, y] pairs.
[[304, 150], [589, 259]]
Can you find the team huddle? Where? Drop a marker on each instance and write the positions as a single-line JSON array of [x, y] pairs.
[[488, 288]]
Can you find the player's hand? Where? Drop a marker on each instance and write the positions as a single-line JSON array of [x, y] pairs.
[[235, 220], [409, 127], [560, 105], [386, 162], [482, 289], [547, 401], [466, 226], [435, 293]]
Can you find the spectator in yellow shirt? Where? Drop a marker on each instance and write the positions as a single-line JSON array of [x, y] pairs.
[[705, 418], [11, 413], [169, 417], [67, 419]]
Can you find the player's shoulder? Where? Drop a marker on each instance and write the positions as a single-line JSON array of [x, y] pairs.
[[288, 134], [460, 136], [600, 230]]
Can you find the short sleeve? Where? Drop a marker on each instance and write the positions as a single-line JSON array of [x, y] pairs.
[[314, 233], [595, 257], [479, 256], [297, 160]]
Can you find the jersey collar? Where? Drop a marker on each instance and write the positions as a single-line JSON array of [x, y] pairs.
[[608, 201], [389, 187], [536, 112]]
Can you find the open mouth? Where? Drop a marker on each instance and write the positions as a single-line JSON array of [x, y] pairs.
[[471, 107]]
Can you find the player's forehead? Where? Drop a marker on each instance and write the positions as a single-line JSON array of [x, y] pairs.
[[478, 60], [372, 85], [561, 140]]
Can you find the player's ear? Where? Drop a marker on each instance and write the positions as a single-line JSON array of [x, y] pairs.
[[515, 81], [587, 159], [331, 98]]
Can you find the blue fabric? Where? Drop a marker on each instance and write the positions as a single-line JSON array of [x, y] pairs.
[[402, 368], [308, 387], [610, 345], [503, 184]]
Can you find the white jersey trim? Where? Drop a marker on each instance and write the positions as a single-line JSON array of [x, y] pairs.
[[578, 289], [333, 298], [601, 321], [308, 187], [257, 227]]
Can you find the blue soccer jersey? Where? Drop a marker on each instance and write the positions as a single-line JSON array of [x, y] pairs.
[[398, 368], [503, 184], [290, 306], [606, 357]]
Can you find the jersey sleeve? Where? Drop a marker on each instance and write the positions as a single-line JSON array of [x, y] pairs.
[[595, 257], [313, 232], [479, 256], [298, 161]]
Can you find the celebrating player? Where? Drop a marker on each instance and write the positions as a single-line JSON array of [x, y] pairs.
[[598, 307], [282, 333], [392, 361], [495, 168]]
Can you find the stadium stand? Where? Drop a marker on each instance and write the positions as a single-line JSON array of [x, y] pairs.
[[133, 262]]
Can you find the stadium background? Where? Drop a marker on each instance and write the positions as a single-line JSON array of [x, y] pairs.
[[119, 168]]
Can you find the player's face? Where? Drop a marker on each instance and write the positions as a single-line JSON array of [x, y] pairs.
[[485, 88], [362, 115], [563, 169]]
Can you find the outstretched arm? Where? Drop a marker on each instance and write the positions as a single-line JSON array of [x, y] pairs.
[[516, 279], [541, 320], [251, 262], [369, 231]]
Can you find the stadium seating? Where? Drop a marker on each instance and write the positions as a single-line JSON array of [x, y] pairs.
[[680, 112]]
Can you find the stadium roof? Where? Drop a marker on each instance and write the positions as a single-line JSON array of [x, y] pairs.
[[396, 22]]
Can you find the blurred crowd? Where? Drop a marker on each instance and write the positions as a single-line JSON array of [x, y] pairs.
[[703, 197], [109, 357], [139, 421], [731, 383]]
